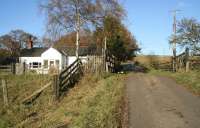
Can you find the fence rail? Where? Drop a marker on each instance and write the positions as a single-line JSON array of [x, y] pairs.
[[195, 62], [8, 68], [187, 62], [166, 66], [111, 62], [67, 77], [94, 63], [72, 73], [182, 61], [197, 55]]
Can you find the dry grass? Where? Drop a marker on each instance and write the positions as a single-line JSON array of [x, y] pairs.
[[19, 87], [95, 102], [146, 59]]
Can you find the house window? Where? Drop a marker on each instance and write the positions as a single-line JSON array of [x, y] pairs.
[[57, 63], [45, 63], [36, 65]]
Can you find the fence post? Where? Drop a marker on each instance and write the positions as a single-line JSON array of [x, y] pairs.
[[13, 68], [56, 87], [105, 54], [106, 63], [187, 68], [24, 67], [5, 92]]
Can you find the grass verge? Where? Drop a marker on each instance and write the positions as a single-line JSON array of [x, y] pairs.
[[95, 102], [191, 79], [19, 87]]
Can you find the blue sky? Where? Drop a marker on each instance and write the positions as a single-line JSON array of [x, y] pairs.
[[149, 20]]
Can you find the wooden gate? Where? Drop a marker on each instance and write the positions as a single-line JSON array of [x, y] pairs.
[[73, 73], [67, 78], [8, 68]]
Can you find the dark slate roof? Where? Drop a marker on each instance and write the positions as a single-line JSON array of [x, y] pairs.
[[34, 52], [71, 51], [67, 51]]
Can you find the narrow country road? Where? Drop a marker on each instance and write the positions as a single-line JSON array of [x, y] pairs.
[[158, 102]]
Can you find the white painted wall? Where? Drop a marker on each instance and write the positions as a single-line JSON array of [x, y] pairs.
[[84, 59], [28, 60], [71, 59], [64, 61], [52, 55]]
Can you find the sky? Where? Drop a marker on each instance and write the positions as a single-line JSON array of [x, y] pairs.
[[150, 21]]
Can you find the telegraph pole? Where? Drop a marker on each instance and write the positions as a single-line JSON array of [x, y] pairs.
[[77, 34], [77, 29], [174, 39]]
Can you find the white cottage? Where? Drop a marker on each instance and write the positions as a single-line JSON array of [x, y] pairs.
[[42, 59]]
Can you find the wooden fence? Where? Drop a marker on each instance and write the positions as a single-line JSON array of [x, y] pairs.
[[187, 62], [195, 62], [8, 68], [182, 61], [67, 78], [94, 63], [72, 73], [4, 92], [166, 66], [111, 63], [100, 63]]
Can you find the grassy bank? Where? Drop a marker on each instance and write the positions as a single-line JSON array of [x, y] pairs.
[[93, 103], [19, 87], [101, 108], [191, 80]]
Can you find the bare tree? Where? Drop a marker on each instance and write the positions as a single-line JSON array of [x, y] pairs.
[[22, 37], [70, 15], [12, 46], [16, 40]]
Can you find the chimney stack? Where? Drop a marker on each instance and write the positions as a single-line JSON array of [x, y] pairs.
[[30, 42]]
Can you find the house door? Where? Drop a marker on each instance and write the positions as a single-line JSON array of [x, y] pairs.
[[51, 63]]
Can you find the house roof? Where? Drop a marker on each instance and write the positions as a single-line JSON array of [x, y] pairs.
[[71, 51], [34, 52], [67, 51]]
